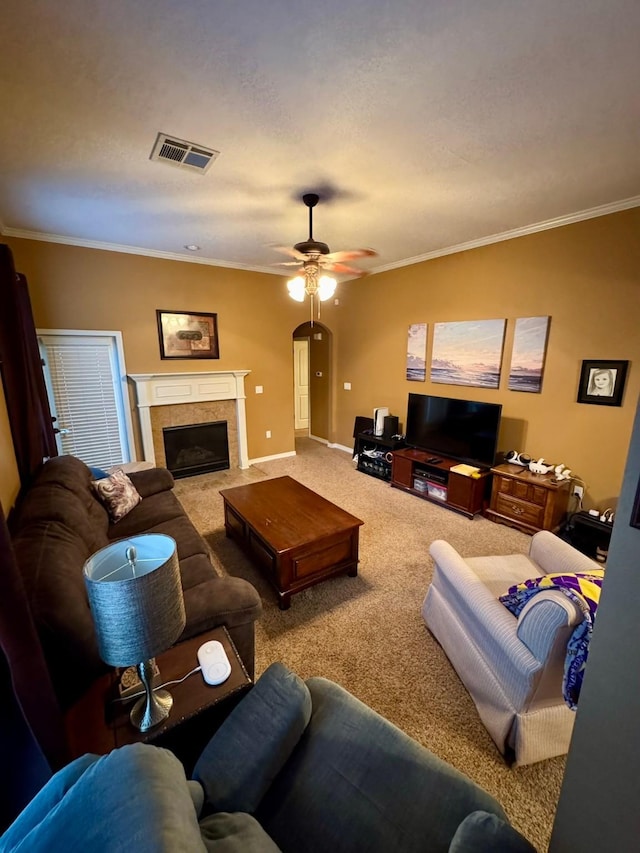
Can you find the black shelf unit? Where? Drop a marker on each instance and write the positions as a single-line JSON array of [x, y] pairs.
[[371, 453], [589, 535]]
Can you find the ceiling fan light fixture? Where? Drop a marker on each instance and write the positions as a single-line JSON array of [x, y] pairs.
[[297, 288], [326, 287]]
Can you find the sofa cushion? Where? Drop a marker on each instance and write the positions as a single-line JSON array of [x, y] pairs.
[[481, 832], [236, 832], [51, 556], [255, 742], [117, 493], [62, 493]]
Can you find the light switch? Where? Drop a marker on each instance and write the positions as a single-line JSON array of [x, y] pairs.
[[259, 389], [347, 386]]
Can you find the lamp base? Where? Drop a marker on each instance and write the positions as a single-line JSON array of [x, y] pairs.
[[154, 706], [146, 714]]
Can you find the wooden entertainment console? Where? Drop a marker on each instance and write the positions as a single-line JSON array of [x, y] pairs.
[[434, 481]]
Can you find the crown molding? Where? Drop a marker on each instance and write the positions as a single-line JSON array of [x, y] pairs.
[[130, 250], [558, 222]]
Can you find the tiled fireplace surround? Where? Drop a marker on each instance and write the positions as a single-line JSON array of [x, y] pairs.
[[178, 399]]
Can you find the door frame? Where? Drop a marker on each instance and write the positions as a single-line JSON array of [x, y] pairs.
[[121, 386]]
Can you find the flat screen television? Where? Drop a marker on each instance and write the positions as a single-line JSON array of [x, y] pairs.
[[460, 429]]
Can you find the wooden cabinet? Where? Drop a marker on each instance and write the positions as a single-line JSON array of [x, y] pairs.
[[416, 471], [528, 501]]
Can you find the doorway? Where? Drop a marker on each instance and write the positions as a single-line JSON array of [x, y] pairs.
[[312, 358], [85, 376], [301, 383]]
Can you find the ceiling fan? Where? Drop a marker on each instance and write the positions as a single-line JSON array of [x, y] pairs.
[[315, 258]]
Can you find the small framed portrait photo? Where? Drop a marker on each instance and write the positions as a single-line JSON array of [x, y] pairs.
[[602, 382]]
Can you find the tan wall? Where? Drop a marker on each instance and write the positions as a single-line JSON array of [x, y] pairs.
[[77, 288], [9, 479], [585, 276]]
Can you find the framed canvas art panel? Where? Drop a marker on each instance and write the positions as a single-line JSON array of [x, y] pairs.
[[602, 382], [528, 355], [417, 352], [468, 353], [185, 334]]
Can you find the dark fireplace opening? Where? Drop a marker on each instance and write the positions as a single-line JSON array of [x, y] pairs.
[[196, 448]]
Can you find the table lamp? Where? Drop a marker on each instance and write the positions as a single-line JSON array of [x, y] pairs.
[[136, 601]]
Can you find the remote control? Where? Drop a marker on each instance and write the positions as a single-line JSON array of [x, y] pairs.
[[214, 662]]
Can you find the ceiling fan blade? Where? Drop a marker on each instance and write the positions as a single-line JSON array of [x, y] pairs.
[[351, 255], [345, 269], [286, 264], [289, 250]]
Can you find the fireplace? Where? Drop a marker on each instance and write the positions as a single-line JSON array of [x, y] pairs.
[[196, 448], [174, 399]]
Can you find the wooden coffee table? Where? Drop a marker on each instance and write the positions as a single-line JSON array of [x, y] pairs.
[[296, 537]]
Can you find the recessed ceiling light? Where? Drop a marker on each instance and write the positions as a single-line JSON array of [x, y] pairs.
[[192, 247]]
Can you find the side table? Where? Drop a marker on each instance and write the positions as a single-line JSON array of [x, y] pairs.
[[97, 724], [527, 501]]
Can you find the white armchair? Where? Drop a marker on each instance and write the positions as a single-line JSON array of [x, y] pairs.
[[512, 667]]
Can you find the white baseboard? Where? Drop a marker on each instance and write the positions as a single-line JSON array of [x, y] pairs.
[[317, 438], [270, 458], [331, 445], [346, 449]]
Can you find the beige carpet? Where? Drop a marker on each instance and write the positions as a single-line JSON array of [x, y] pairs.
[[367, 633]]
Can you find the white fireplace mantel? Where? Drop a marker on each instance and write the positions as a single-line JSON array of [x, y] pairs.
[[170, 389]]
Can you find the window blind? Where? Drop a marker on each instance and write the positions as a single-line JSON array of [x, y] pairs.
[[82, 381]]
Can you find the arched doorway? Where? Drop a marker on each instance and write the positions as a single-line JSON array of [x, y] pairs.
[[312, 362]]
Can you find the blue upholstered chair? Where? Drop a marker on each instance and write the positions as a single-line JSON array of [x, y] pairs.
[[297, 766]]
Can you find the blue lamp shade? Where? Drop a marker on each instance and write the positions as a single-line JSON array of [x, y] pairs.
[[136, 598]]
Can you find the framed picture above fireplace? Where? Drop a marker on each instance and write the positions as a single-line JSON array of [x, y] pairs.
[[184, 334]]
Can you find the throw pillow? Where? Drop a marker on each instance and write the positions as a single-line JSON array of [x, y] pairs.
[[117, 493], [481, 832], [98, 473]]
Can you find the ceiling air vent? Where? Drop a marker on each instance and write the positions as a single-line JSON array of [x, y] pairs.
[[179, 152]]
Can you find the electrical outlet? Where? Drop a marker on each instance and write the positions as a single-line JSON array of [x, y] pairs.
[[268, 433], [578, 492]]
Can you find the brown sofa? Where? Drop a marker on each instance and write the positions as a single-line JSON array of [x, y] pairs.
[[60, 523]]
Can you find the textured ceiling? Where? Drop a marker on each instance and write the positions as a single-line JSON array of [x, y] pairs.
[[423, 124]]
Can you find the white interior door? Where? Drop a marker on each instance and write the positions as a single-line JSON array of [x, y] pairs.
[[301, 382], [86, 382]]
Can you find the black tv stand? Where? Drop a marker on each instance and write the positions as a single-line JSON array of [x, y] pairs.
[[418, 472], [372, 451]]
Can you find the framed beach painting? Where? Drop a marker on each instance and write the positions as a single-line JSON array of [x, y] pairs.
[[468, 353], [528, 354], [417, 352]]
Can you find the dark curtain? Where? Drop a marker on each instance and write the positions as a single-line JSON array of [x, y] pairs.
[[21, 367], [32, 742]]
